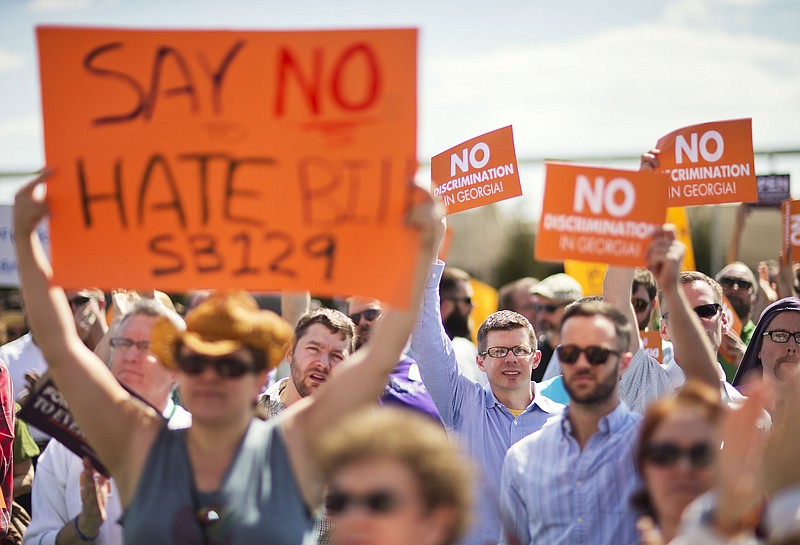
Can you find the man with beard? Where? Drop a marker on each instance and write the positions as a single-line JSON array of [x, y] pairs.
[[643, 297], [550, 298], [571, 482], [405, 388], [455, 304], [739, 286]]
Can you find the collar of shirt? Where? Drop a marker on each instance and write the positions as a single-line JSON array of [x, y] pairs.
[[546, 404], [610, 423]]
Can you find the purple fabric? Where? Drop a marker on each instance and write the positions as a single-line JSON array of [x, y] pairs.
[[404, 392]]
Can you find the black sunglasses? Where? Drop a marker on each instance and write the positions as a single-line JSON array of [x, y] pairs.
[[467, 300], [371, 314], [225, 367], [79, 301], [639, 305], [550, 309], [668, 454], [595, 355], [728, 282], [704, 312], [378, 502]]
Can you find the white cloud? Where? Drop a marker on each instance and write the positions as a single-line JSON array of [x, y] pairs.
[[58, 5], [9, 60]]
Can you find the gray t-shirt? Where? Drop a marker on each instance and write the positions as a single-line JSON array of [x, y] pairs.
[[259, 501]]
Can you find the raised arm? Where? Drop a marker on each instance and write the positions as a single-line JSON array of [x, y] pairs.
[[692, 348], [361, 378], [617, 286], [116, 425]]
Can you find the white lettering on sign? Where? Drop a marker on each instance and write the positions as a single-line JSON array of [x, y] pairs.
[[469, 157], [691, 148], [794, 231], [604, 195]]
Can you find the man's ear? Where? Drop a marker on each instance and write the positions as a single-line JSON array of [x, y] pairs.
[[662, 329], [726, 326], [537, 359], [624, 362], [479, 363], [446, 307]]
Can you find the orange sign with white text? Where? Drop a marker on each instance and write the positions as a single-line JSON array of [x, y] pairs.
[[480, 171], [227, 159], [790, 218], [710, 163], [651, 343], [599, 214]]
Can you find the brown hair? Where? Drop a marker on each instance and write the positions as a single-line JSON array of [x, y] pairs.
[[335, 321], [443, 474], [622, 327], [693, 395], [688, 277], [504, 320]]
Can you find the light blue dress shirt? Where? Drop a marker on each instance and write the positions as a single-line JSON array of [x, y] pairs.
[[483, 426], [554, 493]]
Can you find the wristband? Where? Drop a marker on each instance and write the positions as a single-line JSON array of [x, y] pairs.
[[80, 534]]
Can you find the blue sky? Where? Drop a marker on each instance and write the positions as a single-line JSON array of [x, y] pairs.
[[575, 78]]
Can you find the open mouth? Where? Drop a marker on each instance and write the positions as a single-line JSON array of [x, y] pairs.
[[318, 377]]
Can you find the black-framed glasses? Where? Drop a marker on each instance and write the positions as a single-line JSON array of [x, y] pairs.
[[549, 309], [370, 315], [640, 305], [595, 355], [79, 301], [667, 454], [502, 351], [781, 336], [735, 283], [378, 502], [225, 367], [467, 300], [124, 343], [704, 312]]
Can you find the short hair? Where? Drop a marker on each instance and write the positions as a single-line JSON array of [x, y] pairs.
[[335, 321], [622, 328], [505, 320], [688, 277], [505, 297], [643, 277], [694, 395], [444, 476], [155, 309], [451, 278]]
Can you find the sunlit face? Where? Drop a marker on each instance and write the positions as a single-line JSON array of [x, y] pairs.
[[510, 373], [314, 356], [217, 400], [780, 360], [699, 293], [406, 522], [586, 383], [138, 368], [672, 487]]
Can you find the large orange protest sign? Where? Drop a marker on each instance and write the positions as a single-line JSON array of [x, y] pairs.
[[258, 160], [710, 163], [599, 214], [480, 171], [790, 219]]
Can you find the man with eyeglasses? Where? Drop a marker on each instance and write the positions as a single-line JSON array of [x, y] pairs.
[[739, 286], [71, 503], [572, 481], [22, 356], [485, 420]]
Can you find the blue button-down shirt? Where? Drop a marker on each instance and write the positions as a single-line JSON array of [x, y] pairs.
[[472, 414], [555, 493]]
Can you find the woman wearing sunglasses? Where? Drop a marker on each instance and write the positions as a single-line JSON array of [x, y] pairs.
[[394, 479], [675, 454], [230, 478]]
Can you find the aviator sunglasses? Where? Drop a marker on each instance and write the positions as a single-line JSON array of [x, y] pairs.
[[371, 314], [226, 366], [595, 355], [668, 454], [379, 502]]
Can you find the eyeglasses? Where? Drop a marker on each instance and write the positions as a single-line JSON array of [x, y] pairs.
[[467, 300], [735, 283], [379, 502], [639, 305], [704, 312], [595, 355], [225, 367], [780, 336], [371, 314], [502, 351], [668, 454], [124, 343], [79, 301], [549, 309]]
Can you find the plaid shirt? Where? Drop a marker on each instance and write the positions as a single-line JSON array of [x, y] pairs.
[[270, 406]]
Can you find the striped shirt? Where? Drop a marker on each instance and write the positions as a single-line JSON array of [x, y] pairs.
[[555, 493]]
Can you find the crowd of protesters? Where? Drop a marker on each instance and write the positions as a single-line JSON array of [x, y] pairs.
[[223, 423]]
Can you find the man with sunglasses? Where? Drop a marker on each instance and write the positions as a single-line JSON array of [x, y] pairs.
[[455, 304], [739, 286], [643, 297], [550, 297], [22, 356], [71, 503], [486, 420]]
